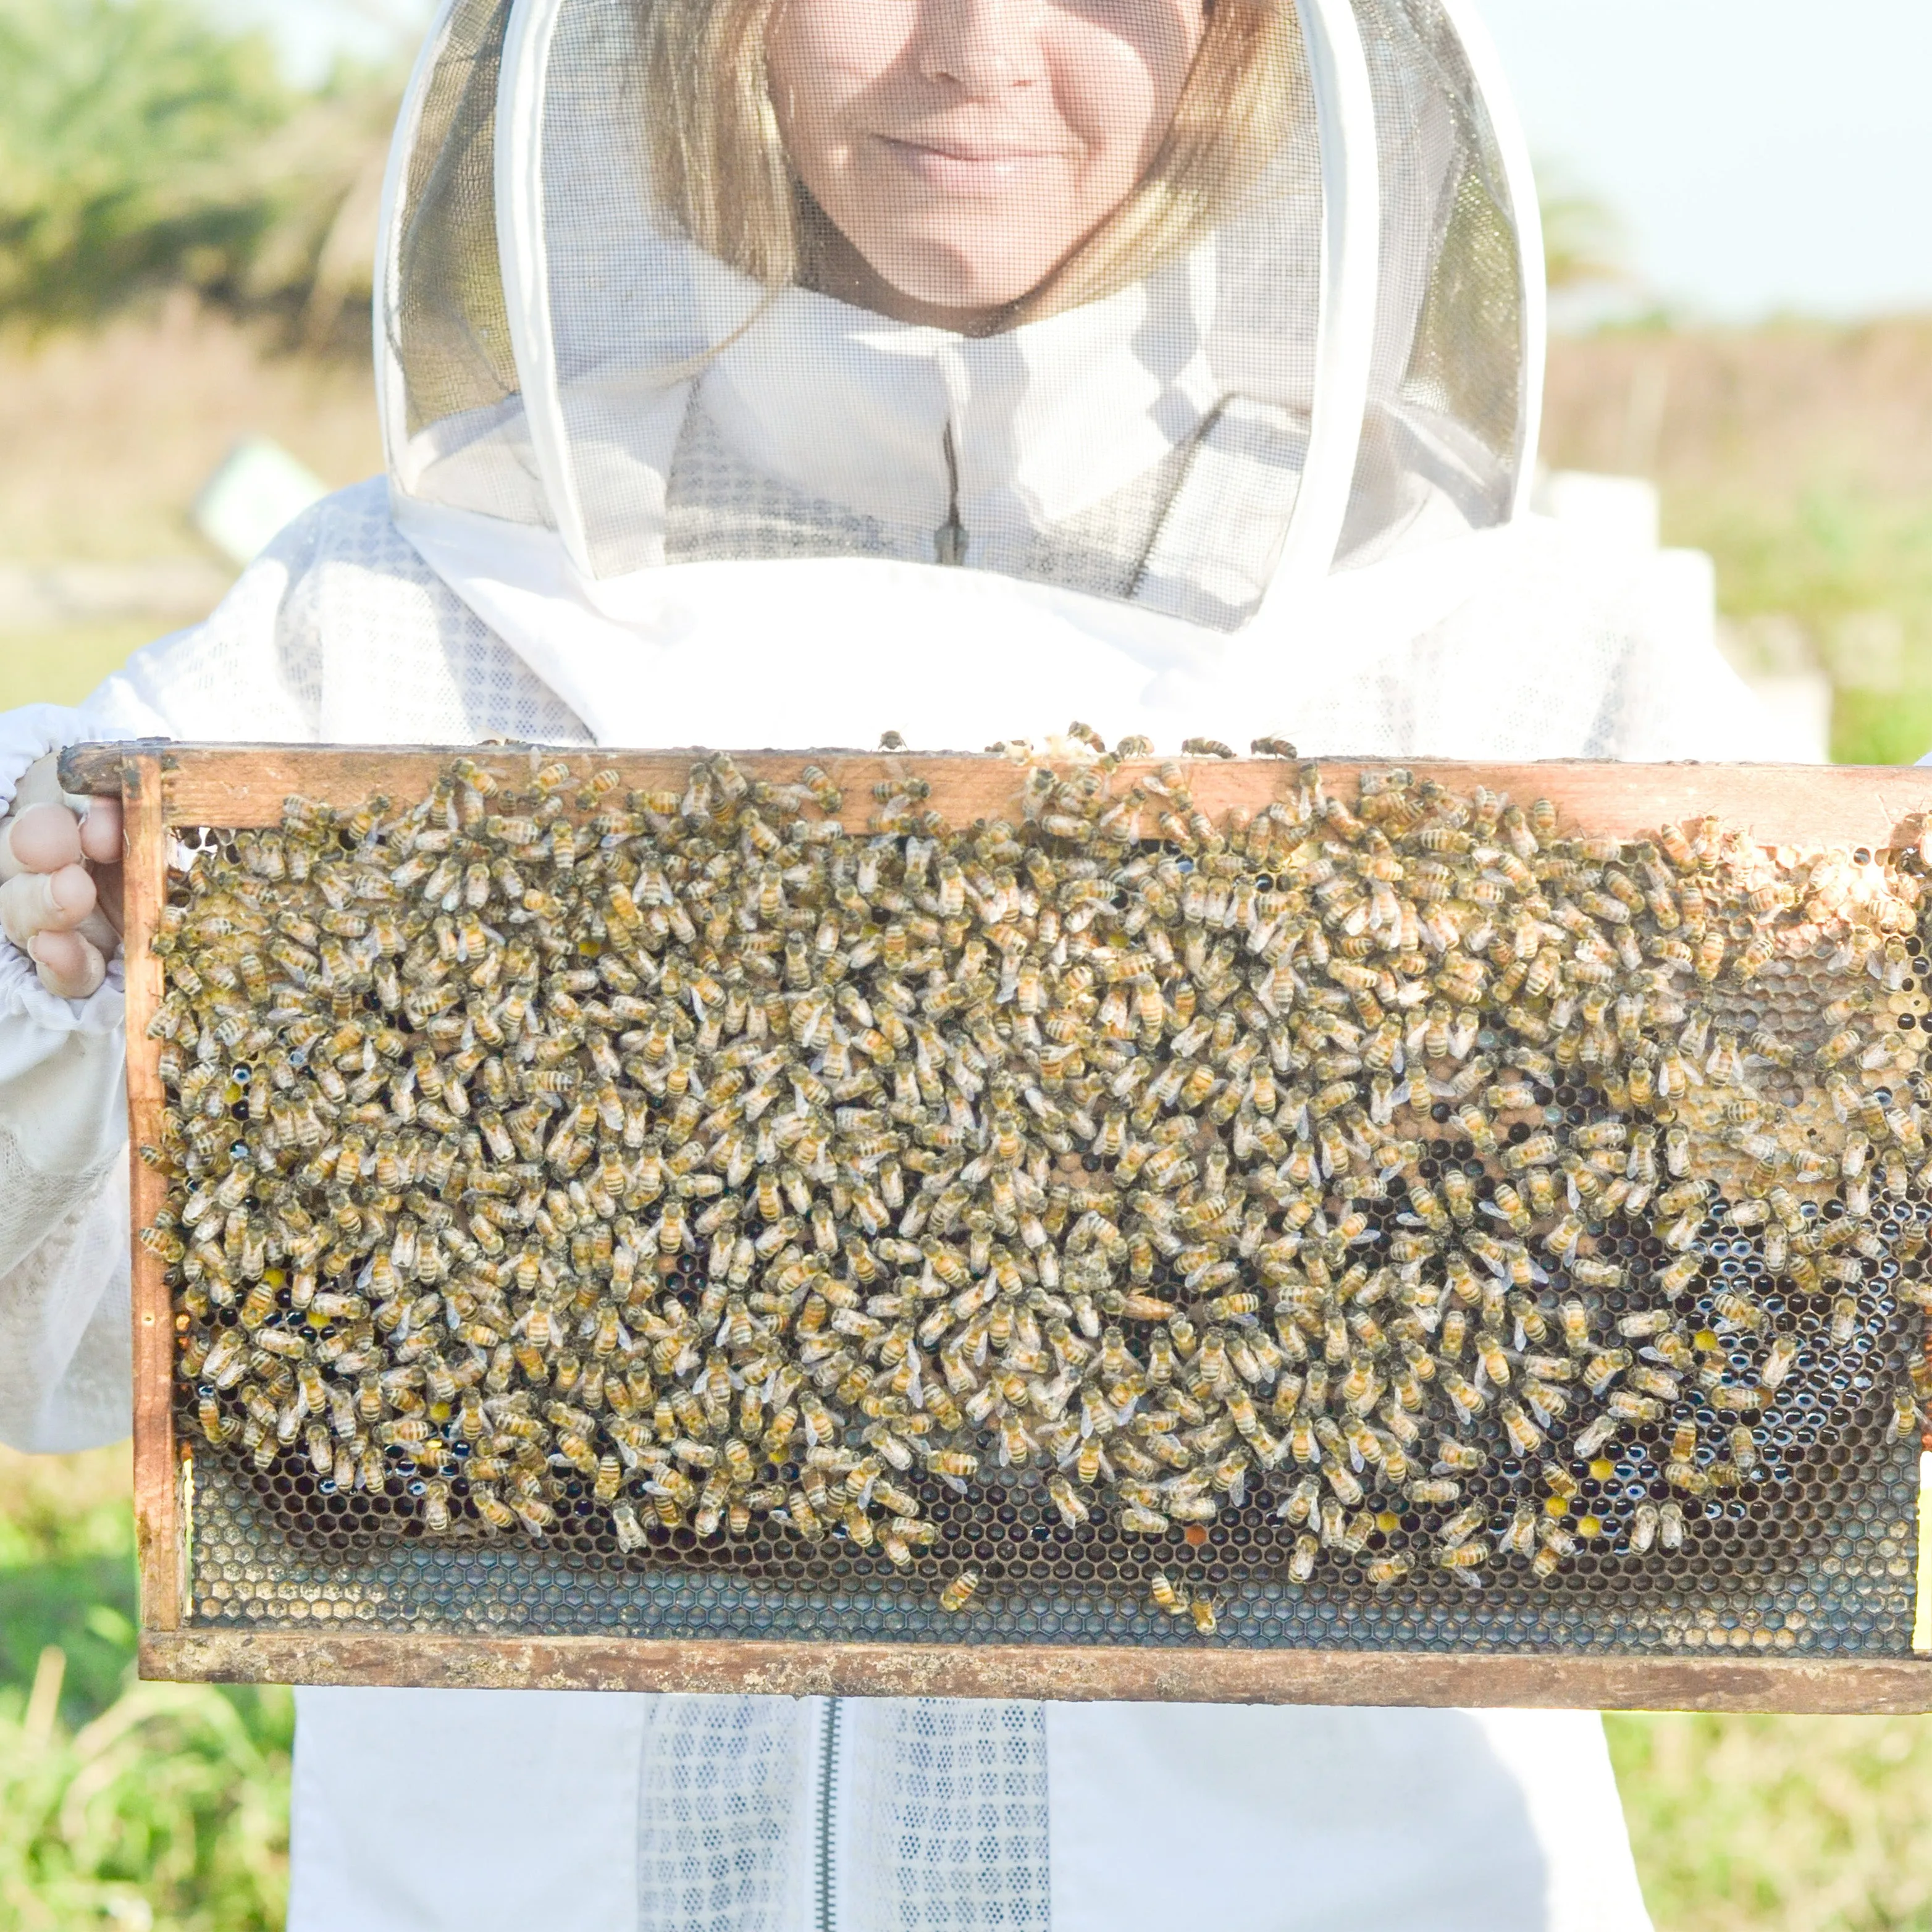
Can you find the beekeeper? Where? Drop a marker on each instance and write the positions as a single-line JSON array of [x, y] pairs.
[[780, 372]]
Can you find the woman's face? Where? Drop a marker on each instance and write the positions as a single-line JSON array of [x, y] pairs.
[[964, 149]]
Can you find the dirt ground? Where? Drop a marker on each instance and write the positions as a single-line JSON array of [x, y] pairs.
[[107, 437], [1782, 409]]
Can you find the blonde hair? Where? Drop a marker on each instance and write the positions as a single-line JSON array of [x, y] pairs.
[[720, 169]]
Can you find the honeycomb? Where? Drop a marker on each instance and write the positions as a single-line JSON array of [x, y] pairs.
[[1401, 1221]]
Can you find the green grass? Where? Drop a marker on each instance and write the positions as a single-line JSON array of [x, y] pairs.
[[158, 1806], [1882, 728], [67, 1578], [1829, 554], [1798, 1824], [1854, 566], [62, 667]]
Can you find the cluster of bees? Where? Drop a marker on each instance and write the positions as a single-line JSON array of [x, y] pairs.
[[691, 1162]]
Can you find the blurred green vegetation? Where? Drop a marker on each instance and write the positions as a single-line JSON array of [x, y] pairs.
[[122, 1804], [120, 122], [1881, 727], [62, 667], [1799, 455], [1850, 564], [1584, 245], [143, 145], [1798, 1824]]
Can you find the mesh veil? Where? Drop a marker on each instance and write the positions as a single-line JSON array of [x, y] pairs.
[[561, 354], [1443, 436], [450, 366]]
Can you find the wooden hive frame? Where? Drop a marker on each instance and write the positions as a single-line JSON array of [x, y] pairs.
[[165, 786]]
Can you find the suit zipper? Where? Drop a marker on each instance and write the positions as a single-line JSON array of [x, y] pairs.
[[949, 540], [826, 1888]]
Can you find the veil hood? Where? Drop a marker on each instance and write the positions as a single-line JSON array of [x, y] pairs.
[[580, 404]]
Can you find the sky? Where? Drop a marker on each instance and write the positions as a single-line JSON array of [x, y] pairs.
[[313, 33], [1762, 156]]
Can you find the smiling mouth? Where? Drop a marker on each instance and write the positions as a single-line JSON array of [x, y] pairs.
[[967, 166]]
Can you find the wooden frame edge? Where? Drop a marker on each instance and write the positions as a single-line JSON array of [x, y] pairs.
[[243, 787], [160, 1548], [1871, 1687]]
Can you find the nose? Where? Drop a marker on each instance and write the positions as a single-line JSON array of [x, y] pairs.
[[982, 46]]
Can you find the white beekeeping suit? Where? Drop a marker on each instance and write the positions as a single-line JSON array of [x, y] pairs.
[[644, 490]]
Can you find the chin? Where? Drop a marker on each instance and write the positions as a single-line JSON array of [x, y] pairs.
[[942, 275]]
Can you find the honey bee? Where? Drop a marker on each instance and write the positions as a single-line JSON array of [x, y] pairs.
[[960, 1592], [1778, 1360], [498, 1514], [1462, 1526], [1073, 1508], [1518, 1537], [1168, 1596], [1525, 1436], [1644, 1523]]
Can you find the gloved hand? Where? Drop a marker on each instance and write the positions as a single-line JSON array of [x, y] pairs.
[[60, 882]]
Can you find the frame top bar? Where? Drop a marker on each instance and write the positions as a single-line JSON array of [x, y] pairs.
[[243, 787]]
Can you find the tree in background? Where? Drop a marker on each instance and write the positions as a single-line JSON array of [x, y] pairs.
[[1584, 243], [143, 146]]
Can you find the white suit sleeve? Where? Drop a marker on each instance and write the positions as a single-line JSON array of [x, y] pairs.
[[64, 1313], [63, 1209]]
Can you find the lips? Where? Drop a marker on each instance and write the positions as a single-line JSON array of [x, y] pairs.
[[961, 166]]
